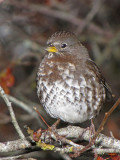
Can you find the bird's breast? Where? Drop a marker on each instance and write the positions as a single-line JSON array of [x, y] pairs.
[[68, 93]]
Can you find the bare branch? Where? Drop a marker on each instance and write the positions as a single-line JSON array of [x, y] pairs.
[[83, 134], [24, 106], [15, 145], [107, 144], [101, 151], [14, 121], [11, 158]]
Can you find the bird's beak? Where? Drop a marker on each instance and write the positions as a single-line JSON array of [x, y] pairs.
[[51, 49]]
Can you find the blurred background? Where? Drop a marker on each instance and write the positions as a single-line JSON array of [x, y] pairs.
[[25, 26]]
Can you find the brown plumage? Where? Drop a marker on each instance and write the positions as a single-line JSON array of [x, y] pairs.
[[70, 86]]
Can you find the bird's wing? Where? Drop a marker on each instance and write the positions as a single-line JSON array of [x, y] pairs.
[[92, 66]]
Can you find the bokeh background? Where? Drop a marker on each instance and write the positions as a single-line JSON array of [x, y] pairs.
[[25, 26]]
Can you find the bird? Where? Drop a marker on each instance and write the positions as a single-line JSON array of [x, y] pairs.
[[70, 86]]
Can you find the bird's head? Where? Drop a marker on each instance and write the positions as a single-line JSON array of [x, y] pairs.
[[66, 43]]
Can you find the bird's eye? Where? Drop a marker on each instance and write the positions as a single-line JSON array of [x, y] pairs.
[[63, 45]]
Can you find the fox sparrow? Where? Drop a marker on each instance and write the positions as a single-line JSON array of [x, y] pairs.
[[69, 84]]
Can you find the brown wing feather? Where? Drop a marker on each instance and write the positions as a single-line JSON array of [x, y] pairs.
[[102, 80]]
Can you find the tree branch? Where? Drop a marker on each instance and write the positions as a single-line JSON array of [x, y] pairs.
[[107, 144], [24, 106], [14, 121]]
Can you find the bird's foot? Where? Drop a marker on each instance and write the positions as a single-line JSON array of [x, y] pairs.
[[48, 134], [52, 131], [92, 133], [92, 130], [54, 126], [53, 134]]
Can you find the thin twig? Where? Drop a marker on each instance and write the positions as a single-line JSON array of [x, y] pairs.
[[14, 121], [67, 141], [24, 107], [41, 117]]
